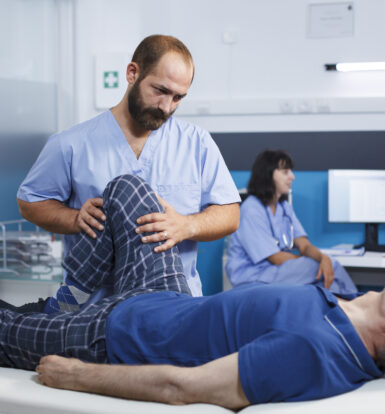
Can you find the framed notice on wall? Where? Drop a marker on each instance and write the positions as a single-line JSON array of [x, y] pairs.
[[330, 20]]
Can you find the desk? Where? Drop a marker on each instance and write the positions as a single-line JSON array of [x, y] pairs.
[[368, 269]]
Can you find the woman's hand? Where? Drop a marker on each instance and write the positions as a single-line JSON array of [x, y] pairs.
[[326, 269]]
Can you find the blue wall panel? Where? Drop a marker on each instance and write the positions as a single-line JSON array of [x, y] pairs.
[[9, 183]]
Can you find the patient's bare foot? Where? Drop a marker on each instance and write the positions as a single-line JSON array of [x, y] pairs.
[[59, 372]]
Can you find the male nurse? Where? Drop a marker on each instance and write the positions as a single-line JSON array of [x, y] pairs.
[[139, 136]]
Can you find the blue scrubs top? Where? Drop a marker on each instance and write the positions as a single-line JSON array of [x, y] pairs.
[[287, 352], [260, 235], [180, 161]]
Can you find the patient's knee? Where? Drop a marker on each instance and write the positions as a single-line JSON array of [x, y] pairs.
[[122, 182], [132, 190]]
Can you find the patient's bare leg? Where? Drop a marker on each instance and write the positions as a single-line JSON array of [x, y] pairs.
[[216, 382]]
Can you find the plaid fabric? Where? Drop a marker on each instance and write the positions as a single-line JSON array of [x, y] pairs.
[[117, 256], [116, 262]]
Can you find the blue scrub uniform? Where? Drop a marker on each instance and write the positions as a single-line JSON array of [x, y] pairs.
[[262, 234], [180, 161], [286, 352]]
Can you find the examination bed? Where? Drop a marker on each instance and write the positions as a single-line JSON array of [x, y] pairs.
[[20, 392]]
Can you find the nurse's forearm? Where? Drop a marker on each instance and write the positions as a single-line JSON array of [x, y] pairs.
[[214, 222], [312, 252], [281, 257], [51, 215]]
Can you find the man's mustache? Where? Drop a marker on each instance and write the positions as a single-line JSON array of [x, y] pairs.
[[157, 113]]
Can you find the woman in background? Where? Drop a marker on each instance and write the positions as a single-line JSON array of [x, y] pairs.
[[261, 249]]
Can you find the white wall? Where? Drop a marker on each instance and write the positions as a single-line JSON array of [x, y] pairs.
[[27, 40], [101, 26], [28, 44], [273, 66]]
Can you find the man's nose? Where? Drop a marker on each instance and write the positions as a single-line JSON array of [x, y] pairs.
[[166, 104]]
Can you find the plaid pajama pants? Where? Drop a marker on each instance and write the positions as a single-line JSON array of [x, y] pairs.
[[117, 256]]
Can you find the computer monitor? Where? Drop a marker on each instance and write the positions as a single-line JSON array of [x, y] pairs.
[[358, 196]]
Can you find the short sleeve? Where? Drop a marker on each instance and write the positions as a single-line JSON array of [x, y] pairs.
[[217, 184], [280, 366], [254, 233], [49, 177]]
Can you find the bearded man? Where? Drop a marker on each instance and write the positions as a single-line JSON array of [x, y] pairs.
[[139, 136]]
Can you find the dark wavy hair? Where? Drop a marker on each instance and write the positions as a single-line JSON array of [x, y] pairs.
[[261, 183]]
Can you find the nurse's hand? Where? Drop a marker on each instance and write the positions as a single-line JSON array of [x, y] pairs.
[[169, 227], [88, 216], [326, 269]]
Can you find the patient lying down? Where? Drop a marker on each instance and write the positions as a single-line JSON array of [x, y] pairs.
[[311, 354], [152, 341]]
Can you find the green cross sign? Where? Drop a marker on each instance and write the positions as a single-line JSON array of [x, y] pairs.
[[110, 79]]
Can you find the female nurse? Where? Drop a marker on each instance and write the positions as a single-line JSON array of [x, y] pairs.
[[260, 251]]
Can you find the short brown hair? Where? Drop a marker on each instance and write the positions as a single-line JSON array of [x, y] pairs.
[[152, 48]]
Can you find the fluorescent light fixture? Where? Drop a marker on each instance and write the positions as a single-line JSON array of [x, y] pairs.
[[355, 66]]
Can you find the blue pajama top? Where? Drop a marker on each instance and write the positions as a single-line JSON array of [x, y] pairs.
[[260, 235], [179, 160], [294, 342]]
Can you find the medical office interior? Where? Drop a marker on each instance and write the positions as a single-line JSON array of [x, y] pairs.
[[260, 82]]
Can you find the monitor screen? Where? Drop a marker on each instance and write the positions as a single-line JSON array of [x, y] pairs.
[[357, 196]]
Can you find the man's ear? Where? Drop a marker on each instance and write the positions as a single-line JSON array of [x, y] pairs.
[[132, 73]]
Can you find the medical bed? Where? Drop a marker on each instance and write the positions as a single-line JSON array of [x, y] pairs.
[[20, 392]]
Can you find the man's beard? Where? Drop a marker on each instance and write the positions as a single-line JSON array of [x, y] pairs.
[[147, 117]]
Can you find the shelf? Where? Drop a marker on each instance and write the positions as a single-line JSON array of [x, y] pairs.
[[29, 255]]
